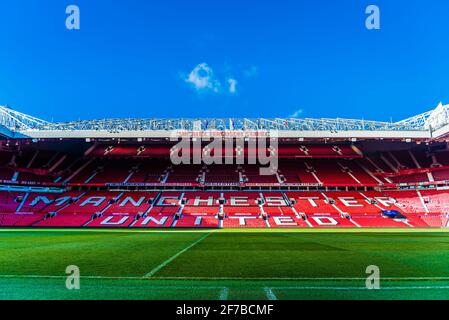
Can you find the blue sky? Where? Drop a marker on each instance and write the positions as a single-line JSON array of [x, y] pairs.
[[234, 58]]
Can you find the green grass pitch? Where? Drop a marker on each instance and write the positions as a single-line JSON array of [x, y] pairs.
[[224, 264]]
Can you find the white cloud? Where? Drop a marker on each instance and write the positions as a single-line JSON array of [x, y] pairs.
[[296, 114], [232, 85], [202, 78]]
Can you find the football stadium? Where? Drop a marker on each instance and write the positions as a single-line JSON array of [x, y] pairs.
[[224, 158], [110, 198]]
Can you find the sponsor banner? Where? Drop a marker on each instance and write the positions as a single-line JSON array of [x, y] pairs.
[[427, 183], [31, 183], [184, 184]]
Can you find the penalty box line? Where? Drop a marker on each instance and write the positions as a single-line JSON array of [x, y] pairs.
[[176, 255]]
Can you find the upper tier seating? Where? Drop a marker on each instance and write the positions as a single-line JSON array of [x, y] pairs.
[[296, 172], [441, 175], [331, 164], [114, 171], [185, 174], [6, 174], [116, 151], [253, 175], [442, 157], [332, 172], [220, 174], [149, 171], [85, 170]]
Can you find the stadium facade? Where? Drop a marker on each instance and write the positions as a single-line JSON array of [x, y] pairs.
[[329, 173]]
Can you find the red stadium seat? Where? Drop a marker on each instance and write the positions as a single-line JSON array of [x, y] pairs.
[[65, 220], [19, 220], [196, 222], [244, 222]]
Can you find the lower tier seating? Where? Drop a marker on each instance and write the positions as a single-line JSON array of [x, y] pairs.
[[19, 220], [425, 208], [65, 220]]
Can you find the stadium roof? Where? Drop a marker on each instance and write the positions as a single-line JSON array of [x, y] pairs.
[[431, 124]]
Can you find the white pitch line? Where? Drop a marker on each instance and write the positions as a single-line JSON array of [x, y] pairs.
[[270, 294], [163, 264], [363, 288], [224, 293], [300, 278], [28, 276]]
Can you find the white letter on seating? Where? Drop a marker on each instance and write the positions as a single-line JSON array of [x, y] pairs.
[[350, 202], [209, 202], [284, 221], [36, 200], [386, 202], [239, 201], [158, 222], [198, 221], [95, 201], [242, 220], [275, 201], [108, 219], [325, 221], [162, 203], [134, 203]]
